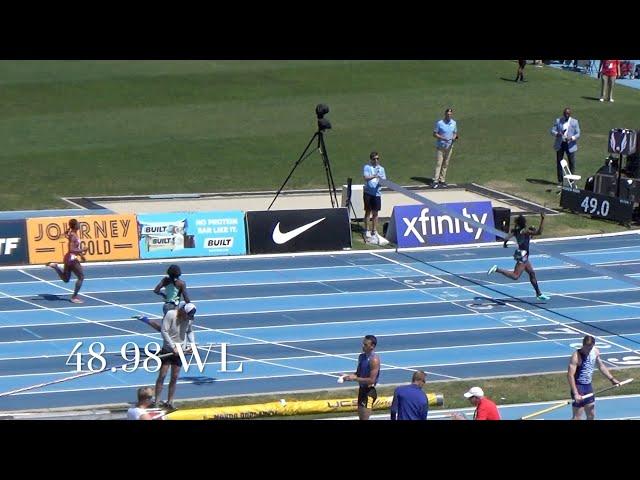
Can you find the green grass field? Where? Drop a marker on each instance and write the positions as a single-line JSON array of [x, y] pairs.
[[74, 128], [147, 127]]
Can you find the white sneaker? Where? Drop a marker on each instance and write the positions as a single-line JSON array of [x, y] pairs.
[[602, 99], [611, 100], [367, 234]]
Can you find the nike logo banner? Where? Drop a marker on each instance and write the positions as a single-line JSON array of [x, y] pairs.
[[279, 231], [281, 238]]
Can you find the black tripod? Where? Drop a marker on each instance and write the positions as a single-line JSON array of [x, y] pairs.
[[325, 161]]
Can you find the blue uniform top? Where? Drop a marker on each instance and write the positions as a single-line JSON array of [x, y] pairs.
[[584, 372], [364, 367], [409, 403], [372, 187]]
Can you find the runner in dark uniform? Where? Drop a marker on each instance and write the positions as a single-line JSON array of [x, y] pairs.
[[522, 235], [366, 375]]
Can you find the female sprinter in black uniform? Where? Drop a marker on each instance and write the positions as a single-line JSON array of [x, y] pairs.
[[521, 255]]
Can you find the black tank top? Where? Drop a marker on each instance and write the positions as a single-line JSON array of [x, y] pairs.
[[522, 237]]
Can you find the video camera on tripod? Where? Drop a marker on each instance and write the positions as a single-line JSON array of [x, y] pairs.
[[323, 124]]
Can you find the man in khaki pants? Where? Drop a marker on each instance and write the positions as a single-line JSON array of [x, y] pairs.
[[446, 132]]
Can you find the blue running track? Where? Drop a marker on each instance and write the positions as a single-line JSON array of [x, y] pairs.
[[296, 322]]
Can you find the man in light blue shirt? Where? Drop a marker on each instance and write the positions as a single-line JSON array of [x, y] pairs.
[[372, 173], [445, 132]]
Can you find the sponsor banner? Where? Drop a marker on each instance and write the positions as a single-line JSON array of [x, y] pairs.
[[287, 231], [420, 225], [191, 234], [13, 242], [106, 237], [284, 408]]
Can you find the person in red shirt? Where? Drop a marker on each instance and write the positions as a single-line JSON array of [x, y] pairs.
[[609, 71], [485, 408]]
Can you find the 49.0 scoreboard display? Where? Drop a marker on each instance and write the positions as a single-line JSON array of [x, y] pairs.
[[600, 206]]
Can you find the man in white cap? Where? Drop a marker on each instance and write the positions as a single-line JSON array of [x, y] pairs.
[[485, 408], [176, 329]]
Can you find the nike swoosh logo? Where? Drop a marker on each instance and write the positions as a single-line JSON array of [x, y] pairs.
[[281, 238]]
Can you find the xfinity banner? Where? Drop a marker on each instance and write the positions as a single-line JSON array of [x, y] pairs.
[[286, 231], [13, 242], [191, 234], [419, 225]]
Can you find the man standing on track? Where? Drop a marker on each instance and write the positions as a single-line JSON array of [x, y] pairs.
[[366, 375], [176, 329], [580, 374]]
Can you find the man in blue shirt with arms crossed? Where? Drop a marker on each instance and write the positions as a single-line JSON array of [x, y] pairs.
[[372, 197], [409, 401]]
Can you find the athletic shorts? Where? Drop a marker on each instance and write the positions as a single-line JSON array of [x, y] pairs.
[[372, 202], [70, 258], [583, 390], [168, 306], [170, 359], [521, 256], [367, 396]]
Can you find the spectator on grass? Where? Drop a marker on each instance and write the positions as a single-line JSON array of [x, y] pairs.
[[446, 132], [566, 131], [409, 401], [609, 70], [580, 375], [520, 72], [486, 409], [367, 375]]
